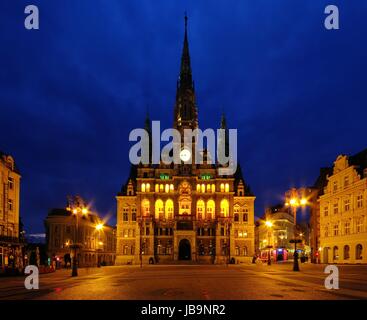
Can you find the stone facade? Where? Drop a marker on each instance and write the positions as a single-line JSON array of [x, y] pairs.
[[10, 246], [343, 212], [184, 211], [61, 234]]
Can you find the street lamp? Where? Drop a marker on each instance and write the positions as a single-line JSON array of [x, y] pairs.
[[99, 228], [76, 206], [294, 203]]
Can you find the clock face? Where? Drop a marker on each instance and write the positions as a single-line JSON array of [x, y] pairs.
[[185, 155]]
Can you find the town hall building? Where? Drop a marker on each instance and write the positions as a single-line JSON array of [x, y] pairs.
[[168, 213]]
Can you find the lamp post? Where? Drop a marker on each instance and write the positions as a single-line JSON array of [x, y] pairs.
[[294, 203], [269, 225], [99, 228], [76, 207]]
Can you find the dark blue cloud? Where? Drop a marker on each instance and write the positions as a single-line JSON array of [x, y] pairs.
[[71, 92]]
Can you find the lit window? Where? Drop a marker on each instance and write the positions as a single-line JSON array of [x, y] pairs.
[[148, 187], [169, 209], [213, 188], [167, 188], [159, 209], [143, 187], [208, 188], [157, 188], [171, 187], [198, 188], [200, 207], [227, 187], [161, 188], [203, 188], [222, 187], [145, 205], [210, 208], [224, 208]]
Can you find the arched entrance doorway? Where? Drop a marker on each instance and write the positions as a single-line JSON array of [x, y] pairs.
[[184, 250]]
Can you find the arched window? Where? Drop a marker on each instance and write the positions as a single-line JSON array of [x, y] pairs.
[[157, 188], [346, 252], [245, 214], [169, 209], [200, 209], [359, 250], [336, 253], [167, 188], [213, 188], [148, 187], [145, 207], [161, 188], [198, 188], [133, 214], [222, 187], [224, 208], [143, 187], [227, 187], [171, 188], [203, 187], [159, 209], [210, 209], [208, 188]]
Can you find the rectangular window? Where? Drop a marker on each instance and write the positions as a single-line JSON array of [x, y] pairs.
[[347, 228], [336, 230], [326, 211], [346, 181], [336, 208], [222, 231], [11, 183], [335, 186], [133, 215], [346, 204], [360, 201], [10, 204], [359, 225]]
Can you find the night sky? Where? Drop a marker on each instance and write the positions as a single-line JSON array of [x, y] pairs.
[[71, 92]]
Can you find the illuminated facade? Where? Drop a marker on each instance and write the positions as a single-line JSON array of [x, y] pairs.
[[277, 233], [10, 247], [343, 212], [63, 229], [184, 211]]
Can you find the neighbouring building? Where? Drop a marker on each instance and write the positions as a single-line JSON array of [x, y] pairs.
[[10, 242], [276, 234], [69, 226], [343, 211], [316, 191], [184, 211]]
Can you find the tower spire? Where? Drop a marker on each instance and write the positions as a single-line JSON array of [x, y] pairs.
[[185, 115], [185, 73]]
